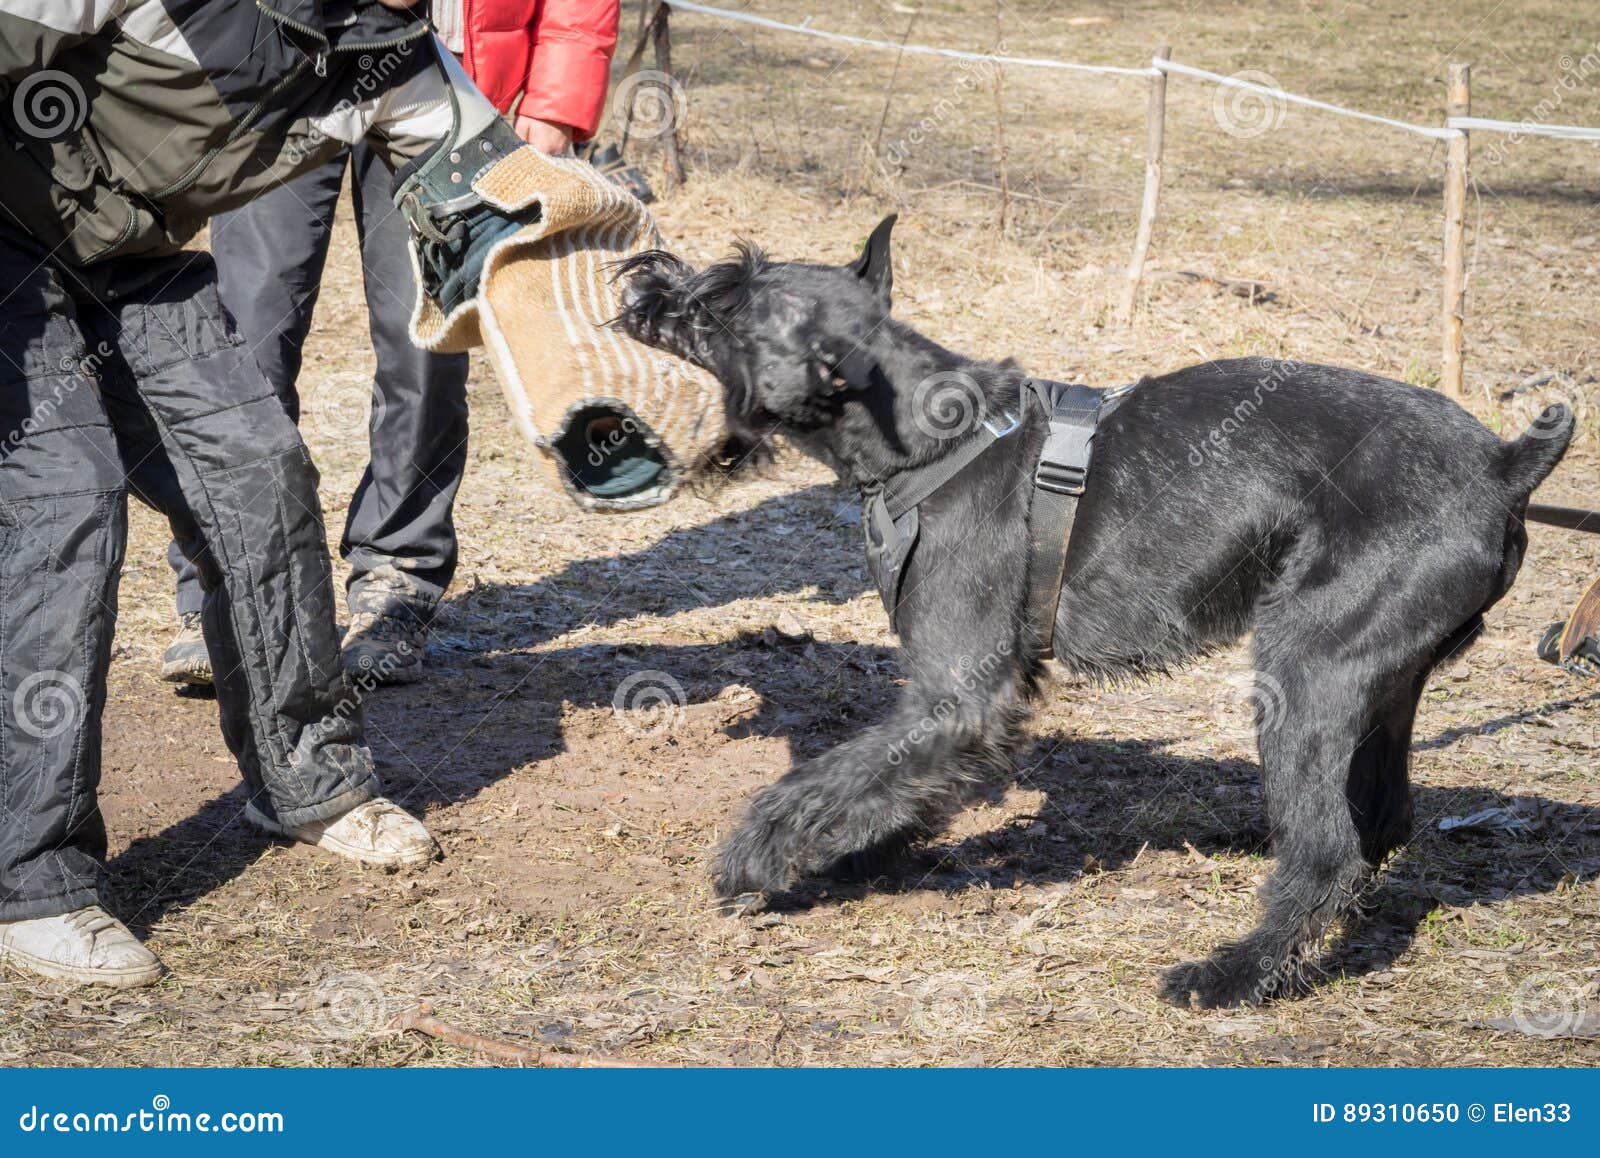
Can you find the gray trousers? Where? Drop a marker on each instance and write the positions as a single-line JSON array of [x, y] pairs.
[[270, 256], [139, 380]]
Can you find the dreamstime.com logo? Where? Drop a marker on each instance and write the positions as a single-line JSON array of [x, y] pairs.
[[1245, 112], [951, 1004], [1245, 702], [342, 404], [1529, 410], [972, 673], [651, 104], [48, 703], [369, 81], [973, 74], [48, 105], [160, 1118], [349, 1005], [649, 704], [948, 404], [1549, 1005]]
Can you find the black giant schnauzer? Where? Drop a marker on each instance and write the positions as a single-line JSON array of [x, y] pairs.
[[1357, 526]]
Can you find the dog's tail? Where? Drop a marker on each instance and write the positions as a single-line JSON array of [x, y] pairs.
[[1528, 460]]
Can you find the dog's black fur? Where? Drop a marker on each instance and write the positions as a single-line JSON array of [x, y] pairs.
[[1359, 527]]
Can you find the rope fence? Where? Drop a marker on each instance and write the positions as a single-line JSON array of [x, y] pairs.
[[1278, 94], [909, 49], [1525, 128], [1458, 123]]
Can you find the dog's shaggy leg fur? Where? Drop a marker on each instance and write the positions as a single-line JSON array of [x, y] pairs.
[[1335, 813], [1306, 757], [894, 783]]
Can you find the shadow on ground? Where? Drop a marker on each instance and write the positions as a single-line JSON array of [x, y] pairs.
[[1103, 801]]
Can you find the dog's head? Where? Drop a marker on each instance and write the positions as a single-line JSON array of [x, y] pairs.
[[790, 343]]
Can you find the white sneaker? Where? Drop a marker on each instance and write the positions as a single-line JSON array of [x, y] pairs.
[[88, 946], [378, 832]]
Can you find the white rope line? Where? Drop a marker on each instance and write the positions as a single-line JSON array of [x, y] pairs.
[[910, 49], [1290, 98], [1527, 128], [1454, 126]]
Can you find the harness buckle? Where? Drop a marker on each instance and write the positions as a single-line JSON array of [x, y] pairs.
[[1012, 422], [1061, 478], [1073, 413]]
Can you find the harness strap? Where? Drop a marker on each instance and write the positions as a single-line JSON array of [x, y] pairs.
[[909, 488], [1059, 478], [889, 510]]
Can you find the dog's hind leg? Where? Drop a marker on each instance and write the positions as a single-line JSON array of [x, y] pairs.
[[1334, 743], [892, 784], [1379, 783]]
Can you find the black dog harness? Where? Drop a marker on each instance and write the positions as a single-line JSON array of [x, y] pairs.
[[889, 509]]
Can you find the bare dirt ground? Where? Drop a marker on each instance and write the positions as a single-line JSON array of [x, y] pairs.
[[572, 907]]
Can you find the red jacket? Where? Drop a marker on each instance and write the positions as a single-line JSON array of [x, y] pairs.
[[549, 59]]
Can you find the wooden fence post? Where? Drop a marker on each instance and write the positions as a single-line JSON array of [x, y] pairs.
[[1457, 159], [1155, 117], [663, 45], [647, 14], [654, 33]]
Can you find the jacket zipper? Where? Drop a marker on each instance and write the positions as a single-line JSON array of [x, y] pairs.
[[362, 46], [319, 63]]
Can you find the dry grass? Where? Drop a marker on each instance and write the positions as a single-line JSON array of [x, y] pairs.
[[573, 907]]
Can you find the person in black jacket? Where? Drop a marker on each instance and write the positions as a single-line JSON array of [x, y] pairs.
[[123, 371]]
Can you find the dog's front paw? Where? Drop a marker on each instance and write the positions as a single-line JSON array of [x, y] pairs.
[[1227, 978], [754, 861]]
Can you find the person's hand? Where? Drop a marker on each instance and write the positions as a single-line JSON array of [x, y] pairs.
[[546, 136]]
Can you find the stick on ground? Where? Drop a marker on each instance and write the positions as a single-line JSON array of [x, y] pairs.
[[420, 1019]]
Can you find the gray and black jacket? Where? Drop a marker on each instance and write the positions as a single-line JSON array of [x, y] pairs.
[[130, 122]]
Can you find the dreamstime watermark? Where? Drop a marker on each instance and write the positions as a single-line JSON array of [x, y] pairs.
[[1574, 73], [604, 437], [48, 105], [1549, 1005], [650, 104], [952, 1003], [76, 371], [365, 676], [48, 703], [1274, 373], [1531, 406], [159, 1118], [971, 675], [370, 81], [344, 403], [1246, 703], [973, 74], [349, 1005], [1249, 112], [948, 404], [649, 704]]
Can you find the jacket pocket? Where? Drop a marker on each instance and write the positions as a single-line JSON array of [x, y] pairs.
[[62, 193]]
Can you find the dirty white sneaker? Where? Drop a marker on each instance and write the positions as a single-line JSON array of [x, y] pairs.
[[88, 946], [378, 832]]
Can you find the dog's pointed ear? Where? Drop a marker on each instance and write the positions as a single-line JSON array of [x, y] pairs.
[[875, 266]]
